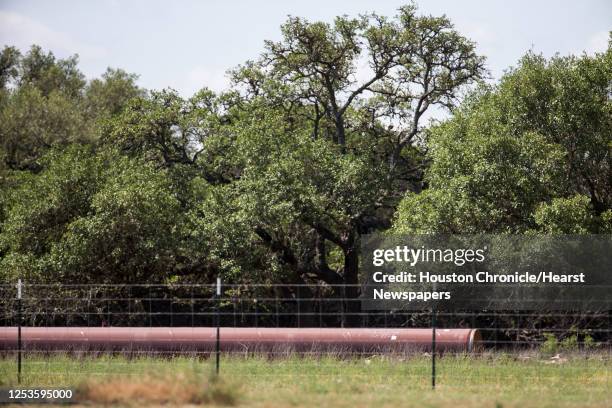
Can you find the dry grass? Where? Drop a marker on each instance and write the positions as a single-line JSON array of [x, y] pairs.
[[182, 388], [488, 379]]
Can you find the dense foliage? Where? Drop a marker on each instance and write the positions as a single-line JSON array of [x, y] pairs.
[[276, 179], [531, 153]]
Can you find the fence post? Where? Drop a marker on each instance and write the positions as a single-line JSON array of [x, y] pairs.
[[433, 347], [342, 318], [218, 342], [19, 331]]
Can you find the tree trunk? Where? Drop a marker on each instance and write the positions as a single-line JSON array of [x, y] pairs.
[[352, 304], [340, 132]]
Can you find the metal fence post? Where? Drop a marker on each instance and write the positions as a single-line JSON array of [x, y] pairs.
[[19, 331], [433, 347], [218, 342], [299, 316]]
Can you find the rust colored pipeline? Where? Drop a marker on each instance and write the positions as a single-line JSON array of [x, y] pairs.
[[172, 339]]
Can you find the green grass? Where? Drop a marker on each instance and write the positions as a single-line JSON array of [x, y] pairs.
[[494, 380]]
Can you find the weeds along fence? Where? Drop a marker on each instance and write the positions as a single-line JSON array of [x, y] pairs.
[[531, 338], [286, 306]]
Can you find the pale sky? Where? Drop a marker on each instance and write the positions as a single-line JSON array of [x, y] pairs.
[[188, 44]]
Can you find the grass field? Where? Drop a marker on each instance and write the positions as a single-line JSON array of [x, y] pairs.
[[489, 380]]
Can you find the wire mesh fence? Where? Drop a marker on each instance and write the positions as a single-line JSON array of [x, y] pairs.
[[253, 306]]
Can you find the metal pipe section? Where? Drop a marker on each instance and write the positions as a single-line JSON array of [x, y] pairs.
[[232, 339]]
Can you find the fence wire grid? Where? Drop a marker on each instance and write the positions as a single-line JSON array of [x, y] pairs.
[[519, 333]]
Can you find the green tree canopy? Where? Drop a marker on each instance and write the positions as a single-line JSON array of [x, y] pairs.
[[46, 102], [302, 155], [276, 179], [90, 217], [532, 153]]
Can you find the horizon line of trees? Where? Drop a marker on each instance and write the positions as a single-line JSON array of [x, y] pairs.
[[277, 178]]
